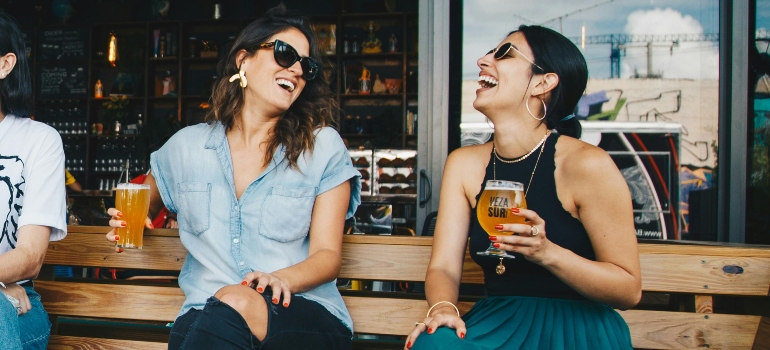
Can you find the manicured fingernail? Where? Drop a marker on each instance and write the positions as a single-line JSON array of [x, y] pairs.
[[499, 227], [492, 238], [120, 250], [462, 335], [123, 224], [152, 226], [515, 210], [285, 304], [259, 289], [430, 330], [496, 245], [119, 214], [117, 238], [243, 283], [275, 300], [409, 345]]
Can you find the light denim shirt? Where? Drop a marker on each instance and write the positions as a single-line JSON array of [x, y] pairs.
[[266, 230]]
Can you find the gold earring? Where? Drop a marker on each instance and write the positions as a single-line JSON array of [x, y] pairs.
[[545, 109], [241, 75]]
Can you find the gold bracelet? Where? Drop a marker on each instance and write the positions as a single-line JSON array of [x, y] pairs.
[[442, 302]]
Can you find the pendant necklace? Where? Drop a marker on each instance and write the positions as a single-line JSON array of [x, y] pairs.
[[500, 268]]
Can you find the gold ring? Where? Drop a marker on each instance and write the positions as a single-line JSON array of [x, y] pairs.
[[534, 231], [419, 323]]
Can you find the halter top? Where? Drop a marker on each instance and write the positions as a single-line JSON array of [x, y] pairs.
[[522, 277]]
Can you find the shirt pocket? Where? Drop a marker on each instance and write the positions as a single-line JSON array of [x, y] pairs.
[[194, 206], [286, 213]]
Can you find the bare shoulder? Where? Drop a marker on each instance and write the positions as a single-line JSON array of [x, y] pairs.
[[470, 155], [580, 159]]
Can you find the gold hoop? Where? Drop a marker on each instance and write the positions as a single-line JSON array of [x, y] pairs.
[[545, 109], [442, 302]]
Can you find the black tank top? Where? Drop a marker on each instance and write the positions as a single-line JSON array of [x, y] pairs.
[[522, 277]]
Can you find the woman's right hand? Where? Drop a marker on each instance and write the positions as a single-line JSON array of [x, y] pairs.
[[440, 318], [117, 222]]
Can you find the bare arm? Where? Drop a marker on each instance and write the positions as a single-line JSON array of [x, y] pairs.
[[25, 261], [604, 207]]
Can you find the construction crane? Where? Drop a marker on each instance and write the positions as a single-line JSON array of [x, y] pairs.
[[620, 42]]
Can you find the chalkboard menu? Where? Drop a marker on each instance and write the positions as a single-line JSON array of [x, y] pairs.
[[62, 81], [63, 44]]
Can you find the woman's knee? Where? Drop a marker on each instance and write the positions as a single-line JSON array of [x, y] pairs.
[[241, 298]]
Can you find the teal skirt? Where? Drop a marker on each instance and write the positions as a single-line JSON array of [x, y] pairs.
[[534, 323]]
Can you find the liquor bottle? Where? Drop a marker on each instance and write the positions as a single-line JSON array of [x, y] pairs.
[[98, 89]]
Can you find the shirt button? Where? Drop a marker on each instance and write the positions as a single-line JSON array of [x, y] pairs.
[[236, 241], [242, 263], [235, 207]]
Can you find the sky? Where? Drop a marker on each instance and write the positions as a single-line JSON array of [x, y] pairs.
[[487, 22]]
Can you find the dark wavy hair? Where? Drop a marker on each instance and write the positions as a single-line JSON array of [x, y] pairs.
[[557, 54], [16, 88], [314, 108]]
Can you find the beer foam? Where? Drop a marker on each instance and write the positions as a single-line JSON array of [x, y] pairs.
[[130, 186]]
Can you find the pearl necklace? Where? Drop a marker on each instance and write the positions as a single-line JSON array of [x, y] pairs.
[[516, 160]]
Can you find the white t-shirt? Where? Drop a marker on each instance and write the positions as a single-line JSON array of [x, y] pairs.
[[31, 180]]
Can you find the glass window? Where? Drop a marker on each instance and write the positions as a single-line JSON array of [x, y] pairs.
[[758, 184], [652, 99]]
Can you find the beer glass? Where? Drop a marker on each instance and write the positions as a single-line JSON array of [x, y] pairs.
[[133, 200], [494, 208]]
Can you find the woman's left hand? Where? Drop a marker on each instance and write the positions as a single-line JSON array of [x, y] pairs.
[[529, 240], [19, 294], [261, 280]]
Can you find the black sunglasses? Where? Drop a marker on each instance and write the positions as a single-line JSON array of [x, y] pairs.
[[506, 48], [286, 56]]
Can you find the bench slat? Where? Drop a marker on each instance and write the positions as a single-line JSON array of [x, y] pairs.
[[148, 303], [705, 274], [683, 330], [93, 250], [58, 342]]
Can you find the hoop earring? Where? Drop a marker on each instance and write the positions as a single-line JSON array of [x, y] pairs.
[[490, 125], [545, 109]]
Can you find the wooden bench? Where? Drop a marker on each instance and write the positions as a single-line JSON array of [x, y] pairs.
[[698, 276]]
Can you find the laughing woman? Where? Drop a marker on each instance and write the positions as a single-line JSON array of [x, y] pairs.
[[261, 192], [576, 256]]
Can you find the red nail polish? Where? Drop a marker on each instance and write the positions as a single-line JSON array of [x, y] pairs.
[[430, 330], [492, 238], [120, 250], [409, 345], [152, 226], [119, 214], [515, 210], [498, 227], [123, 224], [496, 245], [243, 283], [117, 238], [462, 335], [285, 304], [275, 300], [259, 289]]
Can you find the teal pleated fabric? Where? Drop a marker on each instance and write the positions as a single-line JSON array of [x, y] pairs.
[[531, 323]]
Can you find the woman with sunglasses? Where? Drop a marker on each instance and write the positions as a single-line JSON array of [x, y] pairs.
[[261, 194], [575, 256]]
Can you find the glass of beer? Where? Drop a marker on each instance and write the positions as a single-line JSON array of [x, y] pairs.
[[494, 208], [133, 200]]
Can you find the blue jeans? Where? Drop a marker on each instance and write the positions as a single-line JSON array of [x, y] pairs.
[[303, 325], [29, 331]]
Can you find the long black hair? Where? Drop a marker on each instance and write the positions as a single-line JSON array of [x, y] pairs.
[[16, 88], [557, 54]]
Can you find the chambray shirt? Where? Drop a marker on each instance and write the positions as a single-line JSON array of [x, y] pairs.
[[266, 229]]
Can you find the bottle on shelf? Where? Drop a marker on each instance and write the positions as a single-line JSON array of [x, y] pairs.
[[98, 89]]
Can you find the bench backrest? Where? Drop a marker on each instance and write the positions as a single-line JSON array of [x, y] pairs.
[[671, 268]]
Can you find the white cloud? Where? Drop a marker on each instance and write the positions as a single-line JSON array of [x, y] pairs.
[[688, 60]]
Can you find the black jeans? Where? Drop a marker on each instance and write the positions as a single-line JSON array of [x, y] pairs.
[[304, 324]]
